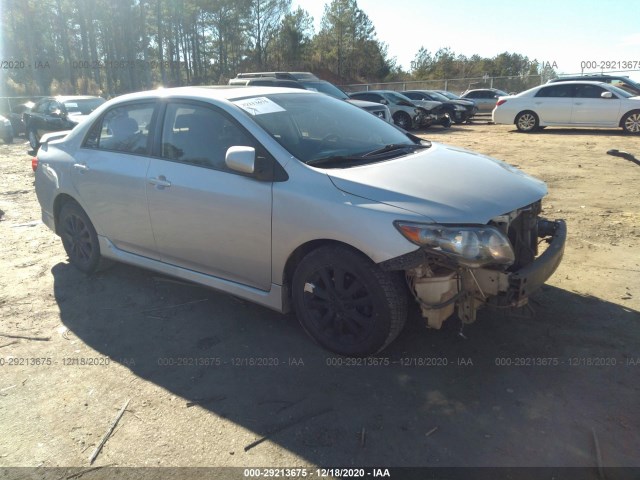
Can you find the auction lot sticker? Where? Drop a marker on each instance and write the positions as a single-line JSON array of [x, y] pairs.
[[259, 105]]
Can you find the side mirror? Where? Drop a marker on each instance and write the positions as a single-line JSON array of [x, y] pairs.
[[383, 101], [606, 95], [241, 159]]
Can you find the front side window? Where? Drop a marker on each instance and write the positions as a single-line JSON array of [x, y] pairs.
[[589, 91], [200, 135], [122, 129]]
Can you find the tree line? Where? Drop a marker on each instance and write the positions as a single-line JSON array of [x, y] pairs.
[[109, 47]]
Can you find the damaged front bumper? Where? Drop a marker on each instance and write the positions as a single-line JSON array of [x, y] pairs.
[[442, 287]]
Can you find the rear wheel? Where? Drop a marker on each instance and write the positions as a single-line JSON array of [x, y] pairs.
[[631, 122], [527, 122], [347, 303], [402, 120], [8, 138], [33, 139], [79, 238]]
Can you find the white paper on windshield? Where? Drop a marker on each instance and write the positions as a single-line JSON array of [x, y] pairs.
[[71, 105], [259, 105]]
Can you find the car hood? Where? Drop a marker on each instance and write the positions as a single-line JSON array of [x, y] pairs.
[[427, 104], [444, 184]]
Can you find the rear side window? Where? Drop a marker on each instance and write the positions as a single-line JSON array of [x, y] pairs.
[[556, 91], [122, 129]]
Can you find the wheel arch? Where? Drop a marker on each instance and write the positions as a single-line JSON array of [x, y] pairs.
[[58, 203], [303, 250], [526, 110], [624, 115]]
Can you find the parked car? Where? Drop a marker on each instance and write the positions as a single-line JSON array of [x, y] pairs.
[[624, 83], [580, 104], [406, 113], [53, 114], [6, 130], [459, 110], [16, 117], [296, 200], [308, 81], [485, 98]]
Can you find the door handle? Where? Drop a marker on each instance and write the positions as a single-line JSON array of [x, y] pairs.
[[81, 167], [161, 181], [578, 103]]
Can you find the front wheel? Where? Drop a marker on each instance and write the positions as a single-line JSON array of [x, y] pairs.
[[527, 122], [402, 120], [347, 303], [8, 139], [631, 122], [79, 238], [446, 121]]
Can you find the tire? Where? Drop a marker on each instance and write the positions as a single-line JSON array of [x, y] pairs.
[[8, 139], [79, 238], [527, 122], [446, 121], [346, 303], [403, 120], [631, 122], [460, 118], [33, 139]]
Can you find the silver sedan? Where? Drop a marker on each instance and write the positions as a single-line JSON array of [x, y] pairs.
[[296, 200]]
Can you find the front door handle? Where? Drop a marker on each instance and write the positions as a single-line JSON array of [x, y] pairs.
[[161, 181], [81, 167]]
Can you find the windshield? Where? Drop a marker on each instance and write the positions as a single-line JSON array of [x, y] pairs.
[[325, 87], [318, 127], [83, 106], [397, 97], [450, 95], [438, 96]]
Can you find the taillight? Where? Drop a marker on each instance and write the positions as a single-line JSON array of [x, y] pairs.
[[34, 163], [500, 102]]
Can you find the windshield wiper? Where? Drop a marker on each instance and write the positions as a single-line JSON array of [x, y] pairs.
[[336, 159], [350, 160], [396, 146]]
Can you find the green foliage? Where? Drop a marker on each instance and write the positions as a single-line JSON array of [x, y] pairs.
[[109, 47], [445, 64]]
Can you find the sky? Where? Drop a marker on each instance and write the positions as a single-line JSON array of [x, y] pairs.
[[569, 33]]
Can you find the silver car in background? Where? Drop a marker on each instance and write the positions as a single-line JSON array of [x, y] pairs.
[[296, 200]]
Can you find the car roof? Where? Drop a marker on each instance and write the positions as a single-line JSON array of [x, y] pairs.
[[587, 77], [224, 92], [66, 98], [579, 82]]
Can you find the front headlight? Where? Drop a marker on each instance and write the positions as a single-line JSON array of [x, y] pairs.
[[473, 246]]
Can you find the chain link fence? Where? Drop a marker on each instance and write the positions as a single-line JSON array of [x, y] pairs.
[[513, 84], [455, 85]]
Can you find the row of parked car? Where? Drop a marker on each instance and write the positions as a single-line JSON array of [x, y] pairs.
[[590, 101]]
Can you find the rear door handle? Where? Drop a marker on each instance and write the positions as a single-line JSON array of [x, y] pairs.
[[81, 167], [161, 181]]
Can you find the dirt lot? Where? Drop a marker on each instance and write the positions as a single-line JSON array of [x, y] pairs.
[[208, 375]]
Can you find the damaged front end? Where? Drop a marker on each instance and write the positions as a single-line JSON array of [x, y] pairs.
[[461, 268]]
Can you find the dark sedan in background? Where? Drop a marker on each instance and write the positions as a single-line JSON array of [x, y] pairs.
[[53, 114], [459, 110]]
